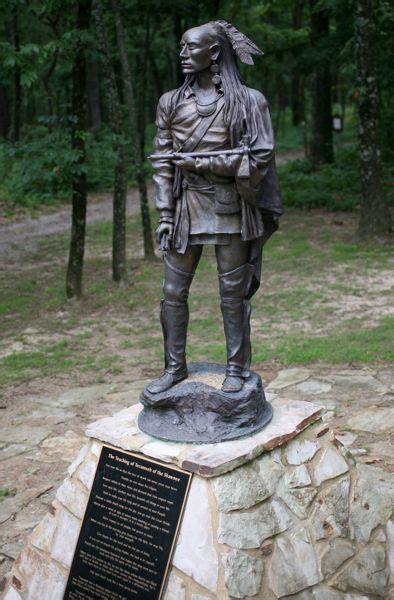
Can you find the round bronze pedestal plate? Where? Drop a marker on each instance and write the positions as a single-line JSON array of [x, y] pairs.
[[196, 410]]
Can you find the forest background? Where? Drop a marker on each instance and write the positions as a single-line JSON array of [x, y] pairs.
[[79, 85]]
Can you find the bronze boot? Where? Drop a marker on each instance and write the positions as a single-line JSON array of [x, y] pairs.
[[236, 322], [174, 317]]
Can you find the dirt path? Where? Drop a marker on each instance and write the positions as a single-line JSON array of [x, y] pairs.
[[25, 234]]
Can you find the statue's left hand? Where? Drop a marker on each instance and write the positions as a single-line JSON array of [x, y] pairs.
[[186, 162]]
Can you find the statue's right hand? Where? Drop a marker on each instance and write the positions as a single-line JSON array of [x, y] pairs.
[[164, 233]]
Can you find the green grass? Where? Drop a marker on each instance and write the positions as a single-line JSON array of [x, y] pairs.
[[368, 253], [211, 351], [45, 292], [18, 305], [336, 187], [6, 493], [361, 346], [288, 249], [52, 359]]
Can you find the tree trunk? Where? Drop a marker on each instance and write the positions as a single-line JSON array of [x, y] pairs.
[[147, 231], [156, 74], [174, 58], [143, 78], [297, 80], [215, 9], [119, 262], [79, 183], [4, 112], [93, 87], [17, 89], [321, 149], [138, 148], [374, 216], [49, 91], [297, 97]]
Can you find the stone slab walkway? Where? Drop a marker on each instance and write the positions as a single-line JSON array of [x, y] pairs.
[[46, 433]]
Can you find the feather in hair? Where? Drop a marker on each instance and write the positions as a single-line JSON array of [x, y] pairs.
[[242, 45]]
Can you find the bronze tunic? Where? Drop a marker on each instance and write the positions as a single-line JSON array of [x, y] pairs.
[[197, 219], [205, 225]]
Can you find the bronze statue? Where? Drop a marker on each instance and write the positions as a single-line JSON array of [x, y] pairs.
[[216, 183]]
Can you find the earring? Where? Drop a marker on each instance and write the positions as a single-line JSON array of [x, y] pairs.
[[216, 79]]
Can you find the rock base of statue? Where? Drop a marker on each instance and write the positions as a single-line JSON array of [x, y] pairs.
[[196, 409]]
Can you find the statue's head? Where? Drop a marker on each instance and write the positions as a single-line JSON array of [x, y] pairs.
[[199, 49], [216, 41]]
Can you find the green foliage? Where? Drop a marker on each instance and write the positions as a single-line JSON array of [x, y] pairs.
[[40, 169], [31, 59], [334, 186], [287, 136], [101, 160], [37, 170]]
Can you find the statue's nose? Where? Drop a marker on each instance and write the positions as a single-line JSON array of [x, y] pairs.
[[183, 52]]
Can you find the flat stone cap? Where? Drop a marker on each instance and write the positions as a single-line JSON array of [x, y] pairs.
[[208, 460]]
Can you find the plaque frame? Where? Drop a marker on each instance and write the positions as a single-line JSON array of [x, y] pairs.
[[85, 518]]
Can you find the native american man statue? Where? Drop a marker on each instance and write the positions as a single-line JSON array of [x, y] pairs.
[[216, 184]]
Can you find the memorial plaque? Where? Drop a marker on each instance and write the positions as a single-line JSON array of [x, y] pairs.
[[129, 529]]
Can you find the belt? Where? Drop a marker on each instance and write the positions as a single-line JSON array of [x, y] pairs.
[[198, 187]]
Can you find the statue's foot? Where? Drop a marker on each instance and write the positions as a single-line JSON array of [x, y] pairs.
[[166, 381], [232, 384]]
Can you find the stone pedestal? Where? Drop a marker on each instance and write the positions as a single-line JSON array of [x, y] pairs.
[[283, 512]]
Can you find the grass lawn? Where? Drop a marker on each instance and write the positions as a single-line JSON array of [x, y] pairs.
[[324, 297]]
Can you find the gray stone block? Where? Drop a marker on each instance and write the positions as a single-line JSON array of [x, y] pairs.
[[242, 574], [367, 573], [294, 564], [372, 501], [250, 529]]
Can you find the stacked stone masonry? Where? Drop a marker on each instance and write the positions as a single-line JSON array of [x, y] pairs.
[[286, 513]]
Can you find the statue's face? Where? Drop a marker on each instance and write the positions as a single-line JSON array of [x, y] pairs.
[[197, 49]]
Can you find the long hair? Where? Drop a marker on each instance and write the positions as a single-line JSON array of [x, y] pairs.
[[235, 94]]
